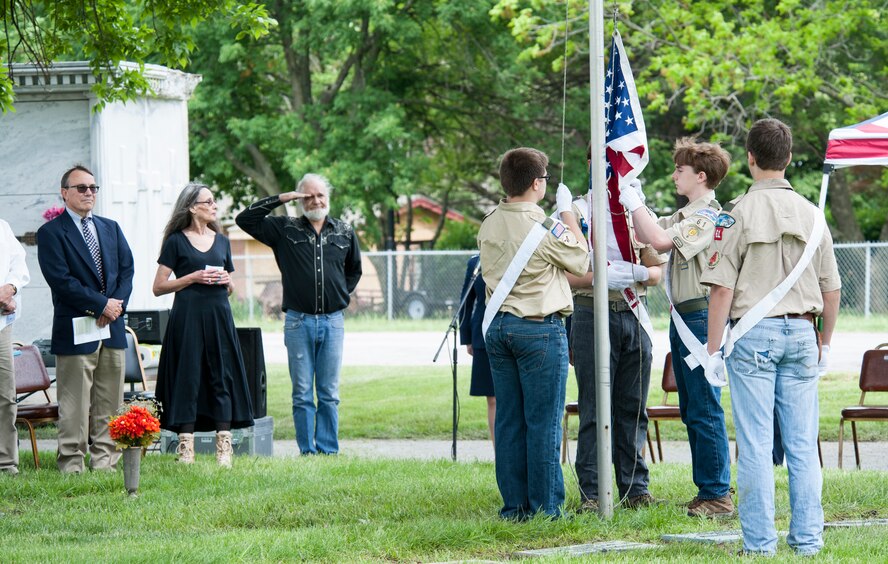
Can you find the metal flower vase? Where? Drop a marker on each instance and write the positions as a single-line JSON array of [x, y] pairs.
[[132, 460]]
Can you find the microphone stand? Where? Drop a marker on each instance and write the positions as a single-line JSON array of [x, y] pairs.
[[454, 326]]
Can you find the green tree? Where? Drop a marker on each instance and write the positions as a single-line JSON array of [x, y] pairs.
[[712, 67], [107, 32], [387, 98]]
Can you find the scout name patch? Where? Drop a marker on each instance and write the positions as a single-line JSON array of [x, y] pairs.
[[713, 260], [708, 213], [725, 220]]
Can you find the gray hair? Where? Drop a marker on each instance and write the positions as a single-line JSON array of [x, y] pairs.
[[317, 178], [181, 216]]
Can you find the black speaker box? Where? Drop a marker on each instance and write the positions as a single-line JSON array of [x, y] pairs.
[[254, 361], [149, 325]]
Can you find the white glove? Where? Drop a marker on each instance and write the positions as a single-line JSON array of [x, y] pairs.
[[563, 199], [824, 361], [631, 196], [715, 370], [625, 274], [620, 275]]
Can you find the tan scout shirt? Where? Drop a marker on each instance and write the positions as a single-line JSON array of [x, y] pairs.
[[691, 229], [645, 255], [759, 238], [542, 288]]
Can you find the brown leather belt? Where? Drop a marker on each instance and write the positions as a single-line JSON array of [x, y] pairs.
[[808, 316]]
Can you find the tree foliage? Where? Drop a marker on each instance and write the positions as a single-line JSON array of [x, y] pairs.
[[387, 98], [712, 67], [107, 32]]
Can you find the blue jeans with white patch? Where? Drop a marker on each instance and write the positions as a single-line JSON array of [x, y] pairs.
[[774, 368], [314, 350]]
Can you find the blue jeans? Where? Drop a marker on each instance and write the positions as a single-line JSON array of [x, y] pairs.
[[774, 368], [528, 360], [702, 413], [630, 377], [314, 350]]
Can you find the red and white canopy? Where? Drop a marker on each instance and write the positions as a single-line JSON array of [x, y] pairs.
[[865, 143]]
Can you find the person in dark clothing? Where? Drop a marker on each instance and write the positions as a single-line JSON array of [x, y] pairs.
[[471, 317], [201, 380], [320, 263]]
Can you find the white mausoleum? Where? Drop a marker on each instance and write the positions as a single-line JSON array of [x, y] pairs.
[[138, 152]]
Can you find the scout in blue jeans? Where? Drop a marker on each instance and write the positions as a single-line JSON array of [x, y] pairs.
[[766, 237], [699, 168], [525, 335]]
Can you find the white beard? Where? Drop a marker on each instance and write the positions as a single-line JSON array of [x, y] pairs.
[[316, 214]]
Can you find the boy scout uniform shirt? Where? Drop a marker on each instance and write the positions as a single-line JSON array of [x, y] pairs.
[[759, 238], [645, 255], [691, 229], [542, 287]]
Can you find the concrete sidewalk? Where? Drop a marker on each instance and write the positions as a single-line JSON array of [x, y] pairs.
[[419, 348], [874, 455]]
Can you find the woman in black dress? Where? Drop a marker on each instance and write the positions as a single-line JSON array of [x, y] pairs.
[[201, 381]]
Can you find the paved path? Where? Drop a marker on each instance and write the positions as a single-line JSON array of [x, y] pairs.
[[419, 348]]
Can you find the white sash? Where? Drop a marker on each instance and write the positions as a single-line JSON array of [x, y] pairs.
[[759, 310], [528, 246], [698, 355]]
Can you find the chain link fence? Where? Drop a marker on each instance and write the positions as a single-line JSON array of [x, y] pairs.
[[423, 284]]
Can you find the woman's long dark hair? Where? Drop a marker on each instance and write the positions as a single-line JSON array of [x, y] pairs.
[[181, 217]]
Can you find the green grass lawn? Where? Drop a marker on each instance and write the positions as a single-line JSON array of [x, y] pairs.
[[415, 402], [397, 402], [343, 509]]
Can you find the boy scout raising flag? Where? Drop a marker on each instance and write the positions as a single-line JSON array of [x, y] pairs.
[[523, 258], [772, 271], [699, 168]]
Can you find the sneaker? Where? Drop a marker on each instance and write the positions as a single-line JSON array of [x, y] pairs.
[[639, 501], [588, 506], [743, 552], [718, 507]]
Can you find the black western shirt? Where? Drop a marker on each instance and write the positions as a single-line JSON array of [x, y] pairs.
[[319, 270]]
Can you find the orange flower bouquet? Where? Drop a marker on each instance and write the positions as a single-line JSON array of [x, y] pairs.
[[136, 425]]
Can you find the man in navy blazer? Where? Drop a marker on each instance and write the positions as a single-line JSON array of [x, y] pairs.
[[88, 266]]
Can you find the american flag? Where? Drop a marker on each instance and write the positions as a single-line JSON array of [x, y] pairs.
[[626, 148]]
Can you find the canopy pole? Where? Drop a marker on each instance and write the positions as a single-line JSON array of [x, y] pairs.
[[599, 266], [824, 185]]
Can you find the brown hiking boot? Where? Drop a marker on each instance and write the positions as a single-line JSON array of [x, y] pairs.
[[639, 501], [589, 506], [718, 507]]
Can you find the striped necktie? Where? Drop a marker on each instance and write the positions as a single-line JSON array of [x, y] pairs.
[[93, 248]]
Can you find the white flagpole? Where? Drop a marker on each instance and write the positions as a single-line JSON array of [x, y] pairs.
[[599, 265]]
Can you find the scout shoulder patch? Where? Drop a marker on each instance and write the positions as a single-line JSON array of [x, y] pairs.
[[718, 233], [678, 242], [713, 260], [725, 220], [556, 228], [708, 213]]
